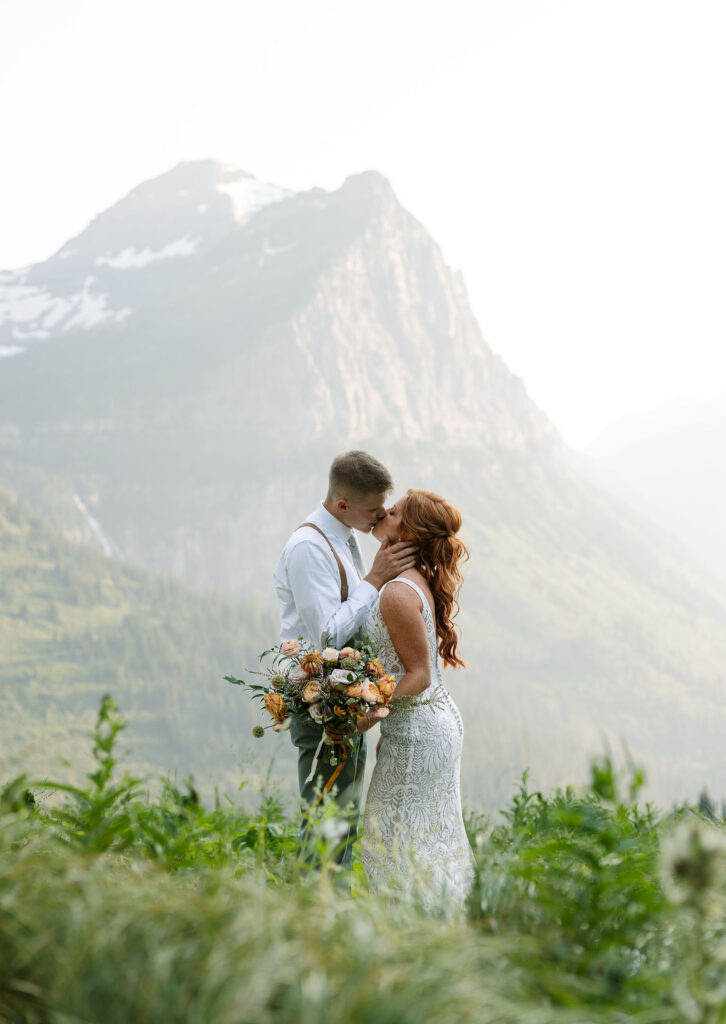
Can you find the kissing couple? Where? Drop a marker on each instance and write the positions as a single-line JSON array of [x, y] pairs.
[[413, 832]]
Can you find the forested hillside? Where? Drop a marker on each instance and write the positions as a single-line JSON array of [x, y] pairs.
[[75, 625]]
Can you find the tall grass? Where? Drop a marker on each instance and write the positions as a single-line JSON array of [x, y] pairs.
[[118, 907]]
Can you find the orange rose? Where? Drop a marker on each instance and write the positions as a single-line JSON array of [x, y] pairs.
[[386, 685], [375, 668], [312, 662], [365, 690], [276, 706]]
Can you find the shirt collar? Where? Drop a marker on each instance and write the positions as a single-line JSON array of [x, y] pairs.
[[331, 527]]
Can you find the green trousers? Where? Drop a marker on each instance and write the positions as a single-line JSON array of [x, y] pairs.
[[306, 736]]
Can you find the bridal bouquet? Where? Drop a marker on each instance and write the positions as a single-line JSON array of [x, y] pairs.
[[333, 687]]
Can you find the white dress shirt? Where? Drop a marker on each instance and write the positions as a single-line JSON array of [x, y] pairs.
[[307, 582]]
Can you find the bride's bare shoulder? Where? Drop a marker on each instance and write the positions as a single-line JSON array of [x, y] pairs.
[[398, 595], [401, 608]]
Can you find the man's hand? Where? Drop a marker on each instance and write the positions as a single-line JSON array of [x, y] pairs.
[[391, 560]]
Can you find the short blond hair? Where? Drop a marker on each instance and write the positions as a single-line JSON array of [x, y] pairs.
[[355, 475]]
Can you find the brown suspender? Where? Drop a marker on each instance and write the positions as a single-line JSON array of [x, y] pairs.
[[341, 567]]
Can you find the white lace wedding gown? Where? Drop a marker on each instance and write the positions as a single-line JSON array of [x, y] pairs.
[[413, 832]]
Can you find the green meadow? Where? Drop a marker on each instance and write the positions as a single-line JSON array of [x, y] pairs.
[[117, 905]]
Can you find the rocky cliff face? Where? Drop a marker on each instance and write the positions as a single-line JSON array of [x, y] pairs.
[[206, 297]]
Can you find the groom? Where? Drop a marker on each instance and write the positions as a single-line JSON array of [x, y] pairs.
[[325, 593]]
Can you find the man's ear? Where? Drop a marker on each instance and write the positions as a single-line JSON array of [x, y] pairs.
[[342, 505]]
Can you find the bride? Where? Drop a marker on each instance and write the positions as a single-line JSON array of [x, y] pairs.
[[413, 831]]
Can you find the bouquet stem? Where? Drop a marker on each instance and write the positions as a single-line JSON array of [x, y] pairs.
[[331, 781]]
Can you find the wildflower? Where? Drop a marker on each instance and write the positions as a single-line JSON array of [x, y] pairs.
[[333, 829], [258, 732], [693, 861]]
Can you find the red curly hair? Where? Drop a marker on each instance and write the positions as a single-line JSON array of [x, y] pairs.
[[431, 524]]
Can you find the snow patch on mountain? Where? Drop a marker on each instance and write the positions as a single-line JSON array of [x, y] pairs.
[[249, 195], [35, 313], [131, 257]]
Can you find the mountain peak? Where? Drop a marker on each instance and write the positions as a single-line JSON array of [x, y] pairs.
[[368, 183], [200, 182]]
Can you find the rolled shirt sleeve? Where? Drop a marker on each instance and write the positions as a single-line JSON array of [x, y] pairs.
[[314, 580]]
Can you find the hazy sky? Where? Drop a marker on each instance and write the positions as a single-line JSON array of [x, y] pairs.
[[568, 156]]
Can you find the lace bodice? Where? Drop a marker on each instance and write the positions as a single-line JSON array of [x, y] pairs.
[[413, 832]]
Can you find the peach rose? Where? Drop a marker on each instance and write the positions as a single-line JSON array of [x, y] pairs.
[[350, 652], [386, 685], [312, 662], [290, 648], [371, 694], [276, 706], [375, 668], [367, 691], [330, 654], [311, 693]]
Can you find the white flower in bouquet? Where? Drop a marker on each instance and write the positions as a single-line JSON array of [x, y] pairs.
[[316, 713], [340, 677], [330, 654], [297, 675]]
